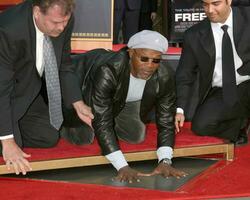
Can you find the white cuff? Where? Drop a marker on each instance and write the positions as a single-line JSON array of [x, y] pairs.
[[117, 159], [164, 152], [180, 110], [6, 137]]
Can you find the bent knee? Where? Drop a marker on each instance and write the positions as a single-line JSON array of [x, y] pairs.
[[204, 129], [138, 139], [78, 135], [51, 141], [138, 135]]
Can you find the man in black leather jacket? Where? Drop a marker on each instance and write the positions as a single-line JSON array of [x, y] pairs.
[[122, 88]]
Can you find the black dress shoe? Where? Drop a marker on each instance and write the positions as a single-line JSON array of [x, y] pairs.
[[242, 138]]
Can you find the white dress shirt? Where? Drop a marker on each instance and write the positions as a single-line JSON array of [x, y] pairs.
[[218, 34]]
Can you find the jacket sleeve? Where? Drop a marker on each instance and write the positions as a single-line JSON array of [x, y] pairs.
[[71, 91], [186, 72], [165, 113], [7, 53], [102, 107]]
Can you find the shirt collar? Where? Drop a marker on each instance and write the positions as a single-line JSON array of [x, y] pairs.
[[39, 34]]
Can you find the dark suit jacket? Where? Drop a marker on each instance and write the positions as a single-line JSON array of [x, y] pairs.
[[198, 55], [20, 82], [104, 77], [130, 4]]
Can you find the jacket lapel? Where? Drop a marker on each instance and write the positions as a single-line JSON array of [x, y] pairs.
[[237, 26], [32, 35], [207, 39]]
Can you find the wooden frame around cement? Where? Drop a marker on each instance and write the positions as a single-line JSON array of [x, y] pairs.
[[226, 149]]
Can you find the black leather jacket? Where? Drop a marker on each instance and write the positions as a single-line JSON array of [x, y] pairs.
[[104, 76]]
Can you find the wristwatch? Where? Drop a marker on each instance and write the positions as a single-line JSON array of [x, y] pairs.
[[166, 161]]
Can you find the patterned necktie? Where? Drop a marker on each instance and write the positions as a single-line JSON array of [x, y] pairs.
[[229, 86], [52, 83]]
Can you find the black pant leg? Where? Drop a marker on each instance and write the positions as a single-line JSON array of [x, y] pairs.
[[214, 118], [145, 21], [35, 127], [130, 24], [74, 130], [244, 96], [118, 17]]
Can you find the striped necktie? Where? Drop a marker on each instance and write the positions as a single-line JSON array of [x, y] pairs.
[[52, 84]]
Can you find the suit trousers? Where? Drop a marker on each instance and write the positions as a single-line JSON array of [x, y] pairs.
[[128, 126], [35, 128], [214, 118], [129, 19], [146, 22]]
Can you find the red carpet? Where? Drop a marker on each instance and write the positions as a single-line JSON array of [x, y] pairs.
[[65, 150], [224, 179]]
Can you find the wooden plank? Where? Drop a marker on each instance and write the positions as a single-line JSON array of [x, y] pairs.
[[78, 44], [201, 150], [230, 152], [227, 149]]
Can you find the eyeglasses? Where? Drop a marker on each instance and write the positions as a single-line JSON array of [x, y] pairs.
[[147, 59]]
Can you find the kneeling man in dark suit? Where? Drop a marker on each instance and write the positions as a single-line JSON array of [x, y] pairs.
[[35, 72], [216, 53]]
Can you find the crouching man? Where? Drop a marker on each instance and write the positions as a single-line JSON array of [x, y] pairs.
[[121, 88]]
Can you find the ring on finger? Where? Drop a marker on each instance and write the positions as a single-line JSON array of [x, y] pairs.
[[8, 162]]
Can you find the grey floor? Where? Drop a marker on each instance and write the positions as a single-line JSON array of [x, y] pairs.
[[105, 174]]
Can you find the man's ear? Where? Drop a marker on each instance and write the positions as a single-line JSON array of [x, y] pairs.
[[130, 52], [229, 2], [36, 11]]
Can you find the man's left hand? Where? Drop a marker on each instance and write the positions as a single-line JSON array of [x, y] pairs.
[[84, 112], [167, 170], [153, 16]]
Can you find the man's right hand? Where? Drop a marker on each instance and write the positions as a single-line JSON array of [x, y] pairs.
[[127, 174], [84, 112], [167, 170], [179, 121], [14, 157]]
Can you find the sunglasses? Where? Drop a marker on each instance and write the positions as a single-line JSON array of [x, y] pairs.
[[147, 59]]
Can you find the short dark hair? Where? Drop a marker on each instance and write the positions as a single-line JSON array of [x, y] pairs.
[[67, 5], [241, 2]]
